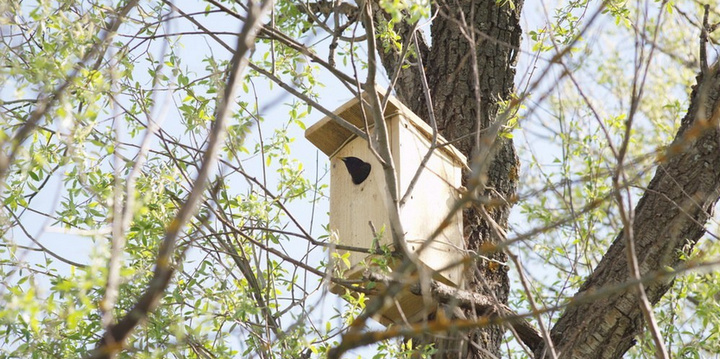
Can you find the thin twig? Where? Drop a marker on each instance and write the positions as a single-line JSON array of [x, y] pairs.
[[627, 214], [45, 104], [111, 342]]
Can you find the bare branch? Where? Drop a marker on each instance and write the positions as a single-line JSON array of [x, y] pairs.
[[46, 103], [111, 342], [691, 180]]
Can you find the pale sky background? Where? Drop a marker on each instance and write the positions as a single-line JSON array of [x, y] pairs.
[[77, 247]]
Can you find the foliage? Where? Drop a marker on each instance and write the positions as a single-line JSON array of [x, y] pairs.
[[130, 119]]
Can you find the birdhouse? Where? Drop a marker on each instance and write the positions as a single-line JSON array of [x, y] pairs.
[[354, 203]]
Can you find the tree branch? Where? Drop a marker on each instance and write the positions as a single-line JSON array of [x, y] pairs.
[[410, 88], [112, 341], [489, 312], [667, 224], [45, 104]]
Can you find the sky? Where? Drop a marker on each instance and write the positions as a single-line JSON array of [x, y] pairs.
[[190, 49]]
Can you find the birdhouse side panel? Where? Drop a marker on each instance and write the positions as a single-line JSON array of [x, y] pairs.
[[429, 204], [354, 206], [414, 145]]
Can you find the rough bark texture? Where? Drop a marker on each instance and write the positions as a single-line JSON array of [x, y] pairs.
[[669, 220], [452, 82]]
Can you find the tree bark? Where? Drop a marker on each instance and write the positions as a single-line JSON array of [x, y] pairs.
[[455, 86], [669, 220]]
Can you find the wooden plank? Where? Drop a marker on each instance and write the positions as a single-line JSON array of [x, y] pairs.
[[353, 206], [430, 203]]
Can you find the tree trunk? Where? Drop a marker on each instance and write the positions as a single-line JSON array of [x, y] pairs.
[[669, 220], [455, 86]]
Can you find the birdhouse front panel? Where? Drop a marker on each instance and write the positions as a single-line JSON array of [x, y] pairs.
[[354, 206]]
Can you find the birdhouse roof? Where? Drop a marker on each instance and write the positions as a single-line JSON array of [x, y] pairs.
[[329, 136]]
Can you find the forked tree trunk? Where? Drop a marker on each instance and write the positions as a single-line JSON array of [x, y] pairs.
[[669, 219]]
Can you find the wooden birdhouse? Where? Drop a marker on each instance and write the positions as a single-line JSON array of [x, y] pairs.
[[353, 206]]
